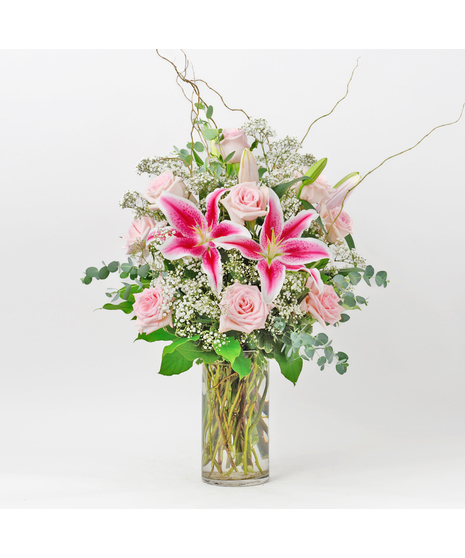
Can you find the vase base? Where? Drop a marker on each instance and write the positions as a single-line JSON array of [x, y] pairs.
[[219, 480]]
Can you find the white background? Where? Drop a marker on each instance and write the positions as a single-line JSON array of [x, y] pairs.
[[86, 422]]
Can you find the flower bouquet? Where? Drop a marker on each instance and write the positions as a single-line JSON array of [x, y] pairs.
[[240, 252]]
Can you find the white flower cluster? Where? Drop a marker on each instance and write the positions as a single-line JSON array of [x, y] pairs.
[[192, 297], [290, 204], [159, 165], [259, 129], [286, 303]]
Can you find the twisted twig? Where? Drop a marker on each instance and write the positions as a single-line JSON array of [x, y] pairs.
[[347, 92], [391, 157]]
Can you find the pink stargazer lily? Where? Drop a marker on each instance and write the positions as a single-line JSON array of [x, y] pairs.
[[280, 247], [197, 235]]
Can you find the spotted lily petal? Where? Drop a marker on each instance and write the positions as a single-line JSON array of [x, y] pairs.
[[303, 250], [274, 222], [211, 265], [298, 224], [246, 246], [228, 228], [177, 247], [213, 211], [182, 214], [272, 278]]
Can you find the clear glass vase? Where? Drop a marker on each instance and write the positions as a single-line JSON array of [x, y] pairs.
[[235, 424]]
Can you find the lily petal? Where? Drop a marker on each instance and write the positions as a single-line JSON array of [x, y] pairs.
[[177, 247], [298, 224], [341, 192], [211, 265], [213, 211], [182, 214], [247, 247], [303, 250], [316, 276], [272, 278], [228, 228], [273, 221]]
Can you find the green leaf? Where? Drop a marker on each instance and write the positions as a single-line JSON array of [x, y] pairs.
[[92, 272], [322, 337], [369, 272], [113, 266], [254, 146], [349, 300], [342, 357], [173, 363], [126, 307], [313, 173], [345, 318], [380, 278], [290, 369], [281, 189], [143, 270], [209, 133], [198, 160], [124, 275], [157, 335], [209, 112], [103, 273], [198, 146], [230, 350], [350, 241], [191, 351], [242, 365], [361, 300], [87, 280], [229, 157], [354, 277], [321, 361], [341, 368]]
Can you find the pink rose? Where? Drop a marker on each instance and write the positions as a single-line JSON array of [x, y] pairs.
[[166, 182], [137, 235], [234, 140], [151, 309], [317, 191], [243, 309], [246, 202], [341, 227], [323, 306]]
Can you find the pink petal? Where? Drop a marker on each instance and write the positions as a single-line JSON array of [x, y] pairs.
[[298, 224], [182, 214], [247, 247], [316, 276], [272, 279], [303, 250], [177, 247], [213, 211], [211, 265], [273, 221], [228, 228], [341, 192]]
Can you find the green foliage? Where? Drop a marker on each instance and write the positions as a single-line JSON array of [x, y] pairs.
[[126, 307], [290, 368]]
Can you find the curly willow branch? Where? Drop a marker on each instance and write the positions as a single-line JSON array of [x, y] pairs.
[[391, 157], [325, 115]]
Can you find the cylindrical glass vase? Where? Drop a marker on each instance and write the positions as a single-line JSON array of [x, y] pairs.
[[235, 413]]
